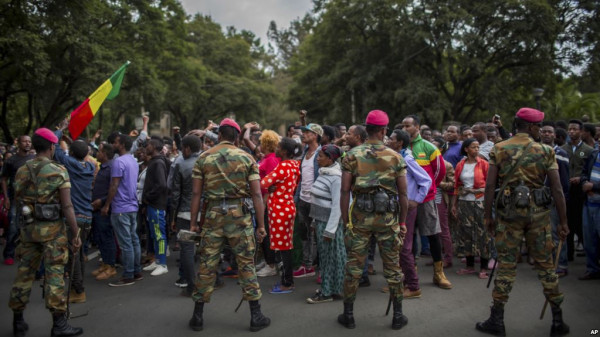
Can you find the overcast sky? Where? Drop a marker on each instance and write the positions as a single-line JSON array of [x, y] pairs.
[[253, 15]]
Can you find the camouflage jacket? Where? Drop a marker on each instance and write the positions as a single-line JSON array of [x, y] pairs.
[[225, 172], [538, 160], [51, 178], [373, 165]]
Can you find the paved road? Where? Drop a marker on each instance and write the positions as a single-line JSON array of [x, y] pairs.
[[153, 307]]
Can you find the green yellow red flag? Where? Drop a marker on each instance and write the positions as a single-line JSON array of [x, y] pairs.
[[83, 115]]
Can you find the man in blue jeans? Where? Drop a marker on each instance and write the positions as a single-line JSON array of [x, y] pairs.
[[122, 198], [103, 231]]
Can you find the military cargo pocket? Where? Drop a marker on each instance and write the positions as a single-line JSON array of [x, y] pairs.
[[211, 215], [237, 213]]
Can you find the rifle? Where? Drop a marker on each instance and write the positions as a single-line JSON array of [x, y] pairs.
[[71, 271], [555, 266], [492, 272]]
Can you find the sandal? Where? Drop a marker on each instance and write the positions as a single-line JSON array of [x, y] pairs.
[[483, 275], [465, 271], [277, 289]]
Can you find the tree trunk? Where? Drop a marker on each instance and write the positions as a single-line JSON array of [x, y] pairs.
[[7, 134]]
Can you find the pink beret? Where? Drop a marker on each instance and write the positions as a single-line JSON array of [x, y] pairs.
[[230, 122], [47, 135], [530, 115], [377, 118]]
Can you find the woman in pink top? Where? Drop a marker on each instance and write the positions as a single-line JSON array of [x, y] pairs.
[[268, 143], [281, 183]]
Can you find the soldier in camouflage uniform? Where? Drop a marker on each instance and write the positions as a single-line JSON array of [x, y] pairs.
[[377, 176], [521, 214], [228, 176], [45, 240]]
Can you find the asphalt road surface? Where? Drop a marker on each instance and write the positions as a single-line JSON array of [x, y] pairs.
[[153, 307]]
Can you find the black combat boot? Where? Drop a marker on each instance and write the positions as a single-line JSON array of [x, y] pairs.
[[495, 324], [347, 318], [258, 321], [61, 328], [19, 325], [197, 322], [399, 320], [559, 328]]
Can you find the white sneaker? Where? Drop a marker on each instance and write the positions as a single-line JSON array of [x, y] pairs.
[[261, 265], [151, 266], [267, 271], [160, 270]]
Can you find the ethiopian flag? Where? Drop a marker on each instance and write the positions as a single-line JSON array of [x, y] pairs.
[[82, 116]]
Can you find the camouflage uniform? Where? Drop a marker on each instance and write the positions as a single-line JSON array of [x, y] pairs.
[[41, 240], [224, 172], [533, 222], [373, 166]]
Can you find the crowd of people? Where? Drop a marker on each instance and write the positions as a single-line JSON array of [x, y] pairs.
[[318, 201]]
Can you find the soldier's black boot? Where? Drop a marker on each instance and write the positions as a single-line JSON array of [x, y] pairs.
[[61, 327], [347, 318], [559, 328], [196, 323], [258, 321], [19, 325], [495, 324], [399, 320]]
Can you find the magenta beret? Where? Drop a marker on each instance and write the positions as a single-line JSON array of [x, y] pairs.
[[530, 115], [377, 118], [47, 135], [230, 122]]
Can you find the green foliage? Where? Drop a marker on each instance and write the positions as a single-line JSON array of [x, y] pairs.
[[53, 54], [446, 60]]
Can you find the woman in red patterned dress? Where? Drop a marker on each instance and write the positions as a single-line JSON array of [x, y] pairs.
[[281, 183]]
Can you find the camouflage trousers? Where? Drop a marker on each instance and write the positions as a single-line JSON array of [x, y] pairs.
[[537, 231], [234, 228], [53, 249], [386, 230]]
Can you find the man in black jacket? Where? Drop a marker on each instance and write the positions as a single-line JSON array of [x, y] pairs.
[[154, 197], [181, 198]]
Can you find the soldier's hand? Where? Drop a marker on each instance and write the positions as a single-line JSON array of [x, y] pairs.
[[563, 231], [403, 231], [76, 242], [490, 225], [261, 234]]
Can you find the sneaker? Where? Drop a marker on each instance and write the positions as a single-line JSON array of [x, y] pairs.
[[160, 270], [138, 277], [151, 266], [230, 273], [267, 271], [122, 282], [408, 294], [261, 265], [318, 297], [304, 272], [279, 289], [181, 283], [9, 261]]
